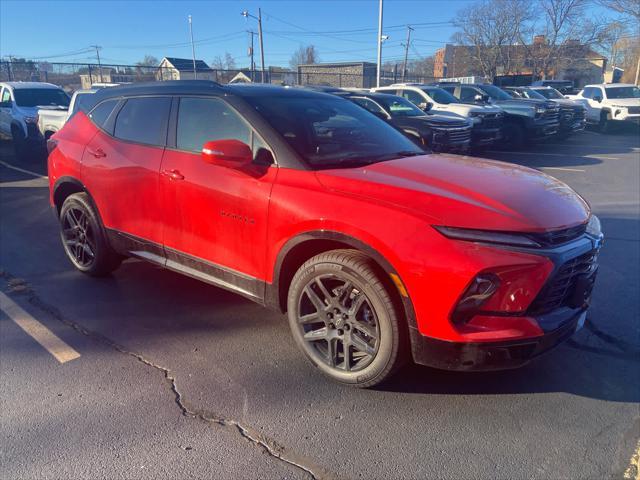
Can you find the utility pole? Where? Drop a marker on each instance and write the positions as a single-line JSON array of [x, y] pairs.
[[193, 50], [97, 47], [251, 50], [406, 53], [246, 14], [378, 70], [638, 72]]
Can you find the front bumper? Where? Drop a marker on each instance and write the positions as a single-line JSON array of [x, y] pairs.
[[485, 136], [557, 327], [543, 130]]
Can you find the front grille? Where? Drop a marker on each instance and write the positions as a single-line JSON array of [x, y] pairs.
[[454, 135], [559, 291], [491, 120], [558, 237], [566, 115], [551, 114], [579, 114], [633, 109]]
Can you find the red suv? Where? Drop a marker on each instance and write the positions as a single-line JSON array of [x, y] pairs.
[[306, 202]]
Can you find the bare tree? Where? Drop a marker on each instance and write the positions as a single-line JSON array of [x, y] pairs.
[[491, 28], [148, 61], [305, 55], [224, 63], [628, 8]]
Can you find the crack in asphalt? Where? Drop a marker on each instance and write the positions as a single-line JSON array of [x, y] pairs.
[[270, 446]]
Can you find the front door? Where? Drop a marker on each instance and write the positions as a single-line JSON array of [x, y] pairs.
[[5, 111], [215, 217]]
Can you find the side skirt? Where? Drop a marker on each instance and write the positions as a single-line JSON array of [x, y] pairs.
[[194, 267]]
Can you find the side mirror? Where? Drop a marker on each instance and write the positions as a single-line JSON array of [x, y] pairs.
[[425, 106], [227, 153], [597, 98]]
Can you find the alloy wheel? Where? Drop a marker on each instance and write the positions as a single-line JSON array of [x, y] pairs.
[[338, 324], [78, 237]]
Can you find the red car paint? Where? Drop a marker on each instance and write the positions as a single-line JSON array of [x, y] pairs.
[[243, 219]]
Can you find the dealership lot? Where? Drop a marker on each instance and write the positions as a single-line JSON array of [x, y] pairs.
[[178, 378]]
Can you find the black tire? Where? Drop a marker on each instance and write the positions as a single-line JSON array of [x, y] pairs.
[[513, 135], [359, 314], [604, 126], [20, 145], [83, 237]]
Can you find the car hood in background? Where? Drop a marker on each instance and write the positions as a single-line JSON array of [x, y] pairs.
[[465, 192]]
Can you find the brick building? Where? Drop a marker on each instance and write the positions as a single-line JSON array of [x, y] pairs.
[[578, 63]]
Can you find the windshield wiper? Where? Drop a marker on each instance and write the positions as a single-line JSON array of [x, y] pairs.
[[408, 153]]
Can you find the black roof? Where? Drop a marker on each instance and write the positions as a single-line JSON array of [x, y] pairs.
[[198, 87], [185, 64]]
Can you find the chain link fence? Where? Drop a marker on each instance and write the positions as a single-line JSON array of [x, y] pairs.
[[73, 76]]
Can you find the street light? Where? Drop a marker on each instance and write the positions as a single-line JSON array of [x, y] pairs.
[[246, 14]]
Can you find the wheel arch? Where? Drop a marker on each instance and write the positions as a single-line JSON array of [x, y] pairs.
[[306, 245], [66, 186]]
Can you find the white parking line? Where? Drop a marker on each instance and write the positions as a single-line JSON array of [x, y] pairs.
[[41, 334], [22, 170]]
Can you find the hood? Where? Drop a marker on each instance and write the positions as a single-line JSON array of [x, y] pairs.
[[27, 111], [624, 102], [565, 102], [465, 192], [434, 121]]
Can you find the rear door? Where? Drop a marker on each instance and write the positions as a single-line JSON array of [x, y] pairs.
[[215, 217], [121, 168]]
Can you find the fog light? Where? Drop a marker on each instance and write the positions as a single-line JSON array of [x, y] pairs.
[[478, 292]]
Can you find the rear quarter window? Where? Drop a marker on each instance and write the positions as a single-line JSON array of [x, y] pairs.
[[101, 112]]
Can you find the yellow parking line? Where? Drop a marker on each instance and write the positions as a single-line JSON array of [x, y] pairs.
[[633, 470], [41, 334]]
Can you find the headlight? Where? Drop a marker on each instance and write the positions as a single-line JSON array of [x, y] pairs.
[[475, 114], [487, 236], [618, 106], [540, 110], [593, 227]]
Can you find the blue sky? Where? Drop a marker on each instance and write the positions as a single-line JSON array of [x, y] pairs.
[[127, 30], [342, 30]]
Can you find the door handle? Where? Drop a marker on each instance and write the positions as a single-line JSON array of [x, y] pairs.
[[99, 153], [173, 174]]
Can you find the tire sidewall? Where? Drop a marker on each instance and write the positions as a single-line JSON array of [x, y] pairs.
[[80, 201], [384, 311]]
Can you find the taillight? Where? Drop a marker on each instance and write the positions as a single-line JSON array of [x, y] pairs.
[[52, 143]]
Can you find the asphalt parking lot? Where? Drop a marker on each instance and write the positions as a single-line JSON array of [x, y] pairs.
[[167, 377]]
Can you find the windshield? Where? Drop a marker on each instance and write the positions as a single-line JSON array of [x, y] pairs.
[[440, 95], [534, 94], [35, 97], [332, 132], [400, 107], [495, 93], [550, 93], [623, 92]]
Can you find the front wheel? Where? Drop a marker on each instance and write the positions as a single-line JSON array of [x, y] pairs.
[[604, 126], [343, 318], [83, 237]]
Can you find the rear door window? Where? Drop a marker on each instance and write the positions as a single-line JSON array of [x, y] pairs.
[[144, 120]]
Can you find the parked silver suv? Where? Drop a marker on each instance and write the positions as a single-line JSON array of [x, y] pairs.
[[19, 104]]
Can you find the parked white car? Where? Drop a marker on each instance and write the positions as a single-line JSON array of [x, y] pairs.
[[608, 104], [487, 119], [50, 121], [19, 104]]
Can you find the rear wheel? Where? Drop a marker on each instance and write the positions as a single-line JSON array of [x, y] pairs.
[[83, 237], [344, 320]]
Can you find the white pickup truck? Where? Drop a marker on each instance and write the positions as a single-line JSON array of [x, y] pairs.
[[51, 120], [610, 103]]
